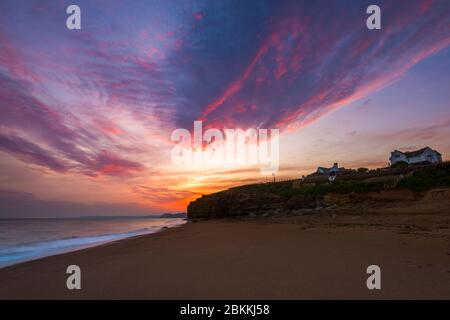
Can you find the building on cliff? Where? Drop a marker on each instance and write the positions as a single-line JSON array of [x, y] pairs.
[[330, 171], [413, 157]]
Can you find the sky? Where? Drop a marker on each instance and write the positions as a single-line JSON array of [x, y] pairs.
[[87, 115]]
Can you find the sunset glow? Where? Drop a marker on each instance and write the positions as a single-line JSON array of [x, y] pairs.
[[87, 115]]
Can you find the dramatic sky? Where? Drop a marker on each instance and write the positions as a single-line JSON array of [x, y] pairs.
[[86, 115]]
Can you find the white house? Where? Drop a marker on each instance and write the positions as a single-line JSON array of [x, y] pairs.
[[423, 155], [333, 170]]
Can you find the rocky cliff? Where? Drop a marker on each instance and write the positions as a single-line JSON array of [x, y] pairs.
[[241, 203]]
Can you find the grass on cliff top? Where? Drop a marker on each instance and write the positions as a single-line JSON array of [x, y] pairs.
[[285, 189], [337, 186], [423, 179], [437, 176]]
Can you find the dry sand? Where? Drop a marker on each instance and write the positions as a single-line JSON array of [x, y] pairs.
[[285, 258]]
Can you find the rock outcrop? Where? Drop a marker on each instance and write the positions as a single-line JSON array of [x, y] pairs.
[[234, 203], [239, 203]]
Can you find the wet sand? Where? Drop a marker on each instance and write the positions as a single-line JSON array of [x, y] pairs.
[[309, 257]]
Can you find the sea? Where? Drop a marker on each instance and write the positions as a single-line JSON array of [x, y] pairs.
[[28, 239]]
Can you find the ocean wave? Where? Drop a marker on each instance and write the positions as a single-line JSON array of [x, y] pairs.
[[31, 251]]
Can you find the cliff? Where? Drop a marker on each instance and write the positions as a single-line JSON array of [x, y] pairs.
[[299, 197]]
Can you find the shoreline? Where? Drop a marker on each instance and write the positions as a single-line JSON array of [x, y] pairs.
[[78, 250], [310, 257], [37, 259], [83, 243]]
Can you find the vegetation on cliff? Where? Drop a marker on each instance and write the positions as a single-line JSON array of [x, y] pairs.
[[414, 179], [436, 176]]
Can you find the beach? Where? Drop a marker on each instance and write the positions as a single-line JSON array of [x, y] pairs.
[[323, 256]]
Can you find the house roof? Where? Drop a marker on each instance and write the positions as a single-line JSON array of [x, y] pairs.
[[412, 154], [330, 169]]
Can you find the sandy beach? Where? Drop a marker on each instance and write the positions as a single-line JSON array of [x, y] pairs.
[[307, 257]]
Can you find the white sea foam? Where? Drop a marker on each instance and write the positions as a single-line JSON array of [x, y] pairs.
[[24, 240]]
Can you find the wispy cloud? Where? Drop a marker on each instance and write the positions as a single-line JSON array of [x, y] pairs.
[[102, 102]]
